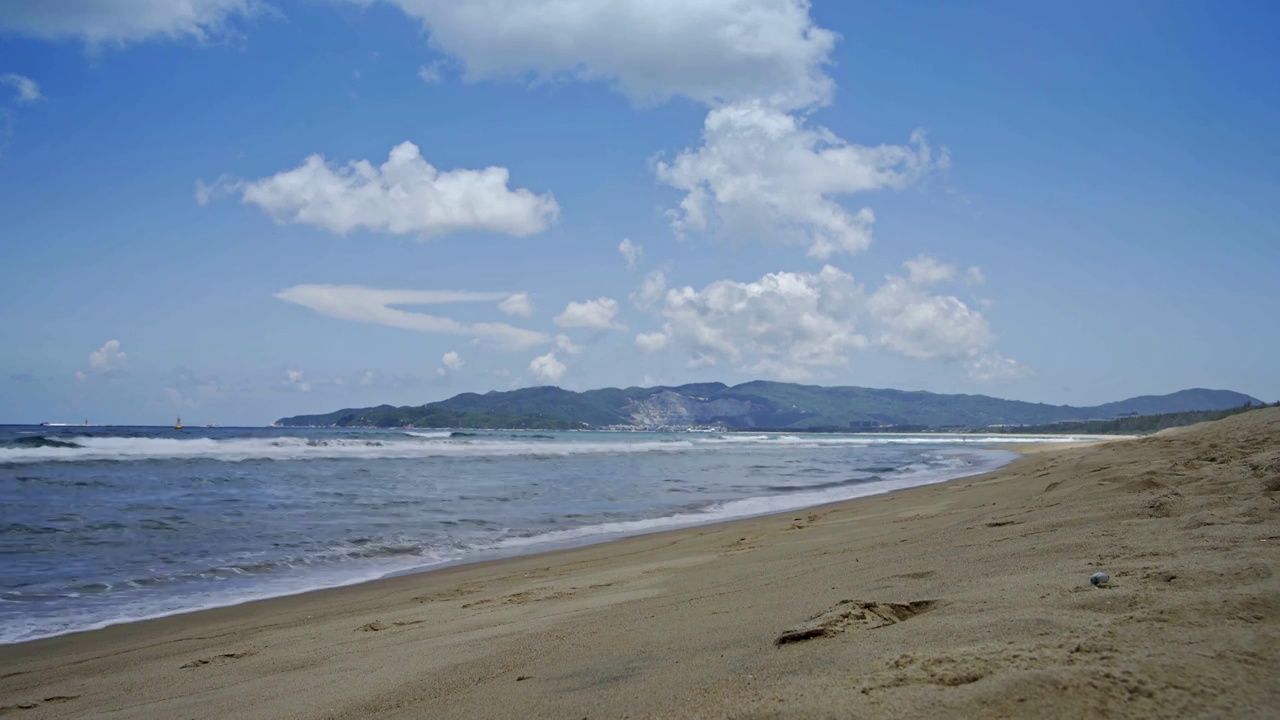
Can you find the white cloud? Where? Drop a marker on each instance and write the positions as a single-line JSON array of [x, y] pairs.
[[81, 376], [784, 324], [792, 325], [927, 270], [295, 381], [923, 326], [596, 314], [99, 22], [762, 173], [651, 342], [225, 185], [563, 342], [431, 74], [650, 291], [992, 367], [452, 361], [547, 368], [405, 195], [632, 252], [520, 305], [373, 305], [368, 377], [974, 276], [107, 357], [710, 51], [27, 89]]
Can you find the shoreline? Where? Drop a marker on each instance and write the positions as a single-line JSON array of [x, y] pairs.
[[549, 547], [968, 597]]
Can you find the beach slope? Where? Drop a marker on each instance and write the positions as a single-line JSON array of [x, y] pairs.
[[970, 599]]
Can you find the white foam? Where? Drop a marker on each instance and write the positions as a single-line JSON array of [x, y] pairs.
[[411, 445], [295, 448], [430, 435]]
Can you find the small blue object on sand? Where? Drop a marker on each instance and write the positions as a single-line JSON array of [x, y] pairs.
[[1099, 579]]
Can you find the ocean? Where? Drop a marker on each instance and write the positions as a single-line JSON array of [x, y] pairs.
[[102, 525]]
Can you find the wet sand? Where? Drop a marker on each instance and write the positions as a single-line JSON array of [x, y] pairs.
[[968, 599]]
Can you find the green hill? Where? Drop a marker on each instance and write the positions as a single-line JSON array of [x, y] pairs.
[[752, 405]]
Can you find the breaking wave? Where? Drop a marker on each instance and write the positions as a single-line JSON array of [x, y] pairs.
[[295, 448]]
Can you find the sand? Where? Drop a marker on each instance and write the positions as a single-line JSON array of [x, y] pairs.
[[965, 599]]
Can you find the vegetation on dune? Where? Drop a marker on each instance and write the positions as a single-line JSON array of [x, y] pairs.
[[1133, 425]]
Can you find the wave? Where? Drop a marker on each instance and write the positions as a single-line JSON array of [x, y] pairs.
[[815, 440], [944, 467], [45, 612], [443, 443], [296, 448], [37, 441]]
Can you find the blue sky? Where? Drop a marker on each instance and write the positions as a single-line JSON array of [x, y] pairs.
[[1087, 212]]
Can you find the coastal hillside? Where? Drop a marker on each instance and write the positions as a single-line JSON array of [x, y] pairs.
[[753, 405]]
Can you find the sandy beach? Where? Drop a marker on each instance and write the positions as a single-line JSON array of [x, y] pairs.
[[968, 599]]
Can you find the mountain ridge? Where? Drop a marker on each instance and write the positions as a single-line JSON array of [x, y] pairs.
[[758, 404]]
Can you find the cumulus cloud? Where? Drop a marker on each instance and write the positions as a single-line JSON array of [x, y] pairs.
[[520, 305], [651, 342], [762, 173], [404, 195], [101, 22], [919, 325], [975, 276], [927, 270], [107, 357], [793, 325], [26, 88], [992, 367], [595, 314], [784, 324], [107, 361], [547, 368], [295, 381], [650, 291], [374, 305], [632, 252], [563, 342], [709, 51], [452, 361]]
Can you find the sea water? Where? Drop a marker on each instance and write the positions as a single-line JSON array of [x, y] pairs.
[[105, 525]]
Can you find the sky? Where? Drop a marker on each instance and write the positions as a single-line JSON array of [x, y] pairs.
[[237, 210]]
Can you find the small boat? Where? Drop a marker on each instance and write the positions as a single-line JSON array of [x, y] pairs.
[[177, 424]]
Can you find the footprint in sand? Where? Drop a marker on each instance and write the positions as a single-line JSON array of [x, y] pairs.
[[854, 615], [378, 625], [32, 705], [224, 657]]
